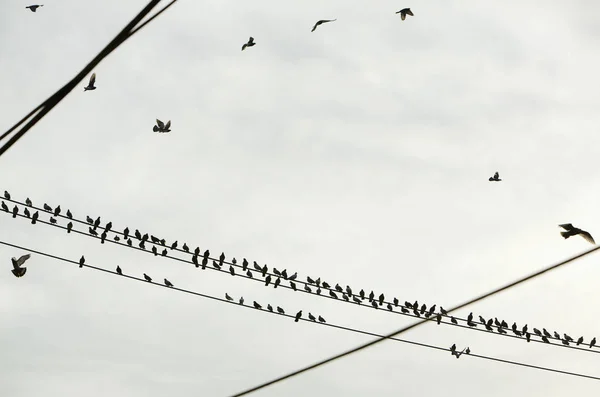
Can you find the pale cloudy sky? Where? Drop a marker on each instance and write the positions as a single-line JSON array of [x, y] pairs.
[[359, 153]]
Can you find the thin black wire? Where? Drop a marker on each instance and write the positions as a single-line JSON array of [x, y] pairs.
[[59, 95], [303, 319], [533, 337], [381, 339]]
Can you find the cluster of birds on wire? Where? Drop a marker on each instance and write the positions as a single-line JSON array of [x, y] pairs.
[[276, 277]]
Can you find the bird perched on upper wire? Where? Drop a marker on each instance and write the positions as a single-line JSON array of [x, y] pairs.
[[495, 178], [34, 7], [19, 271], [322, 21], [162, 127], [250, 43], [404, 12], [573, 231], [90, 85]]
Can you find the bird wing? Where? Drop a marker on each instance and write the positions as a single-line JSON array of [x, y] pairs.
[[244, 47], [409, 12], [496, 175], [251, 40], [567, 226], [168, 125], [92, 79], [161, 125], [587, 236], [314, 27], [23, 258], [403, 16]]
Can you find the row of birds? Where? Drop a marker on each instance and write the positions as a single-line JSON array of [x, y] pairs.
[[276, 276]]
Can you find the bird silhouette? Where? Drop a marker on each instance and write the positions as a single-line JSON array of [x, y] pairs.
[[168, 283], [147, 278], [34, 217], [6, 195], [4, 206], [257, 305], [161, 127], [17, 270], [269, 307], [311, 317], [573, 231], [580, 340], [34, 7], [69, 227], [119, 271], [69, 214], [495, 178], [26, 212], [322, 21], [90, 86], [250, 43], [28, 202], [298, 315], [229, 298], [15, 211], [47, 207], [242, 300], [404, 12], [593, 343], [280, 310], [81, 261], [185, 247]]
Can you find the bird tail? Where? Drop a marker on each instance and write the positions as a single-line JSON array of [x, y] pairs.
[[565, 234]]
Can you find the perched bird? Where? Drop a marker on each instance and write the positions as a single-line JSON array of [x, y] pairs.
[[28, 202], [269, 307], [6, 195], [593, 343], [34, 7], [245, 264], [52, 221], [280, 310], [322, 21], [90, 86], [119, 271], [162, 127], [126, 233], [299, 314], [404, 12], [69, 214], [185, 247], [168, 283], [69, 227], [4, 206], [580, 340], [242, 300], [573, 231], [250, 43], [89, 220], [495, 178], [34, 217], [57, 211], [231, 270], [81, 261], [229, 298], [108, 227], [322, 320], [147, 278], [92, 231], [293, 276], [15, 211], [257, 305], [17, 270]]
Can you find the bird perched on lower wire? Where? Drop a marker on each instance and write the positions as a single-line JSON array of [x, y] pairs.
[[495, 178], [90, 86], [404, 12], [19, 271], [161, 127], [573, 231], [250, 43], [322, 21], [34, 7]]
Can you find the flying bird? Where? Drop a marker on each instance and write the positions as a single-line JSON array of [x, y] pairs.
[[573, 231], [162, 127], [322, 21], [250, 43], [34, 7], [404, 12], [90, 86], [495, 178], [19, 271]]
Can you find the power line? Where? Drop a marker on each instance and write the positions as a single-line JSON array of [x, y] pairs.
[[40, 111], [404, 313], [303, 319], [381, 339]]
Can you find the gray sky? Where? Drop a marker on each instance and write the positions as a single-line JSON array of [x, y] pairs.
[[359, 153]]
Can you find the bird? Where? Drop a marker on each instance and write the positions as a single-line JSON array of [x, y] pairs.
[[299, 314], [580, 340], [242, 301], [185, 247], [162, 127], [17, 270], [257, 305], [90, 86], [311, 317], [69, 227], [34, 217], [57, 211], [28, 202], [119, 271], [404, 12], [593, 343], [147, 278], [269, 307], [168, 283], [69, 214], [321, 319], [4, 206], [250, 43], [15, 211], [229, 298], [81, 261], [6, 195], [573, 231], [322, 21], [53, 221], [280, 310], [47, 207], [26, 212], [34, 7], [495, 178]]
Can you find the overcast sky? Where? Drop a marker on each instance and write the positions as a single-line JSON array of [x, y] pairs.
[[359, 153]]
